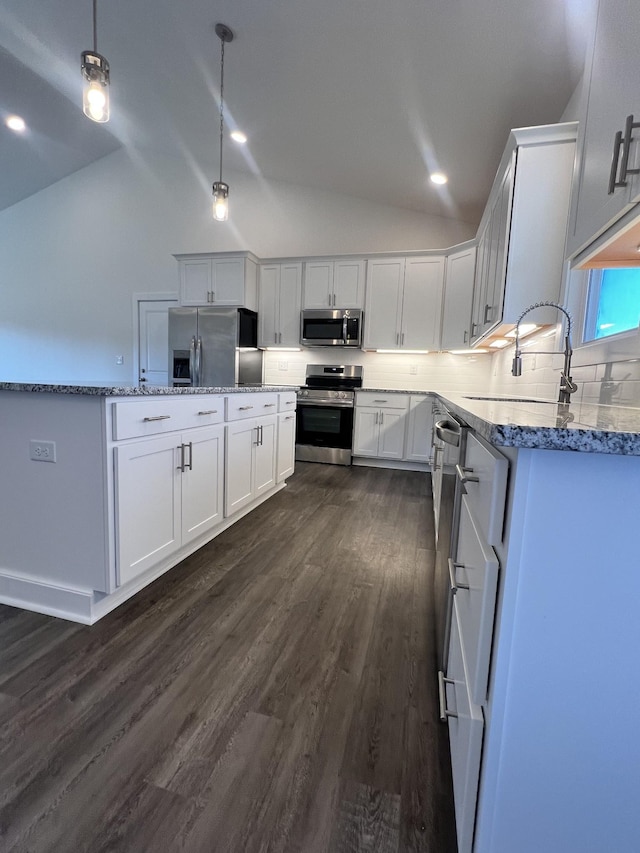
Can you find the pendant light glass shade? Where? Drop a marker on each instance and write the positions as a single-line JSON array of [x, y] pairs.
[[95, 92], [95, 75], [220, 201]]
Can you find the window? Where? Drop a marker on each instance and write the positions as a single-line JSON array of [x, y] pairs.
[[613, 304]]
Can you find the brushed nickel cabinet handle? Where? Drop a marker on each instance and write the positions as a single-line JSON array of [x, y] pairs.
[[454, 585], [269, 405], [289, 418], [442, 697], [244, 408], [463, 475], [156, 418], [209, 412], [181, 465], [190, 462], [613, 182]]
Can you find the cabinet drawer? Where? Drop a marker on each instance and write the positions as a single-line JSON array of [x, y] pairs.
[[466, 730], [137, 418], [484, 477], [287, 401], [475, 581], [380, 399], [240, 406]]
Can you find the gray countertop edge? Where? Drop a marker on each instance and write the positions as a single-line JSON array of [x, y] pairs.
[[135, 391]]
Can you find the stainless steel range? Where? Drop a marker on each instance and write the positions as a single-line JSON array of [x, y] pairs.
[[324, 429]]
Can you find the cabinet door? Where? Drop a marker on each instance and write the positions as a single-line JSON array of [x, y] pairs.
[[422, 303], [202, 481], [241, 438], [385, 279], [419, 427], [366, 431], [148, 504], [289, 304], [500, 219], [392, 423], [286, 455], [264, 455], [480, 282], [196, 281], [348, 284], [318, 284], [458, 297], [228, 281], [466, 730], [613, 95], [268, 313]]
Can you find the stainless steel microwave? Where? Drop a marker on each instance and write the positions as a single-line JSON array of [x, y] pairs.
[[331, 328]]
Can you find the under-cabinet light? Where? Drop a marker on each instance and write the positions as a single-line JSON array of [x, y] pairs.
[[499, 343], [405, 351], [466, 351], [282, 349]]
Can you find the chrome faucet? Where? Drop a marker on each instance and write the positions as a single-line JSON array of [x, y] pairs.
[[567, 385]]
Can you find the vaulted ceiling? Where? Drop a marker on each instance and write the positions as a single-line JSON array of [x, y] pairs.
[[365, 97]]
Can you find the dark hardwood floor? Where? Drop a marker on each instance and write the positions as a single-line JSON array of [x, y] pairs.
[[273, 692]]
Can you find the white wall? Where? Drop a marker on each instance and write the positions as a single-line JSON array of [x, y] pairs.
[[73, 254]]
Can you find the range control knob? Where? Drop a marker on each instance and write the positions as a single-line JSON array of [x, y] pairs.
[[304, 393]]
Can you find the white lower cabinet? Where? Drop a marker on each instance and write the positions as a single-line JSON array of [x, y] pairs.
[[379, 432], [466, 728], [250, 461], [285, 458], [418, 445], [168, 491]]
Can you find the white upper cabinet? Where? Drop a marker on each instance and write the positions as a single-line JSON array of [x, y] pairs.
[[333, 284], [521, 239], [404, 303], [280, 290], [229, 279], [458, 296], [609, 142]]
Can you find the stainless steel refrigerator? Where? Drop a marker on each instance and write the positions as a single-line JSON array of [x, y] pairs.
[[214, 347]]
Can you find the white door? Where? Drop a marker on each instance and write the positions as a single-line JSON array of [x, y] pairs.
[[196, 281], [289, 304], [422, 303], [228, 281], [458, 295], [153, 340], [268, 307], [392, 425], [383, 303], [148, 498], [285, 463], [348, 284], [239, 479], [318, 284], [265, 455], [202, 481], [366, 431], [419, 430]]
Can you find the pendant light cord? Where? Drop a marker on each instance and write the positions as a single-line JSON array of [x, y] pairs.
[[221, 101], [95, 26]]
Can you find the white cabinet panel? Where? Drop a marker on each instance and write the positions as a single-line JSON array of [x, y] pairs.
[[279, 304], [385, 280], [476, 576], [268, 313], [217, 279], [202, 482], [228, 281], [318, 284], [348, 284], [196, 282], [418, 447], [365, 436], [457, 301], [285, 464], [466, 728], [486, 470], [392, 428], [265, 455], [422, 303], [148, 504], [333, 284], [241, 438]]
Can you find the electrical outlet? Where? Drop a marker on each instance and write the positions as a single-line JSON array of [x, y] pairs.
[[283, 365], [413, 369], [42, 451], [119, 359]]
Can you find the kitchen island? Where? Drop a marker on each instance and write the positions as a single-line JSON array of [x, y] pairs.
[[541, 689], [106, 488]]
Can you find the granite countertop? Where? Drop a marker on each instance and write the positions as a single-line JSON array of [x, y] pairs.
[[546, 425], [137, 391]]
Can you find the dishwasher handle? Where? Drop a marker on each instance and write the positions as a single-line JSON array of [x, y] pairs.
[[449, 431]]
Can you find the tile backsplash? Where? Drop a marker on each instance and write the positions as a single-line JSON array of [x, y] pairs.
[[395, 371]]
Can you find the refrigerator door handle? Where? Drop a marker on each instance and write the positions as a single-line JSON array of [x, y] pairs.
[[192, 361], [199, 362]]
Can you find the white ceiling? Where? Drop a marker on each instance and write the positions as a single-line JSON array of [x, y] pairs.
[[361, 96]]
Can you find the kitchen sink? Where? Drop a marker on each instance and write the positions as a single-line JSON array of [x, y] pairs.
[[513, 400]]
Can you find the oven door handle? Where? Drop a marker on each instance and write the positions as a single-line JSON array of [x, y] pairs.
[[325, 404]]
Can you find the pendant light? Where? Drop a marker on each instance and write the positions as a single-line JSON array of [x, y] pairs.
[[220, 189], [95, 72]]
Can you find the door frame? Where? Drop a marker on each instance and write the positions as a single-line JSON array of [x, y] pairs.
[[136, 299]]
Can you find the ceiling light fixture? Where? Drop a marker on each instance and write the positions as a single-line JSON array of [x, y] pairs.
[[438, 178], [239, 137], [16, 123], [95, 72], [220, 189]]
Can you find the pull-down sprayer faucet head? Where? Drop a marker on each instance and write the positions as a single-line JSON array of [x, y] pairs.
[[567, 385]]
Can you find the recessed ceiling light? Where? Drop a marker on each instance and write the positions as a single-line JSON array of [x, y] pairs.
[[438, 178], [239, 136], [16, 123]]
